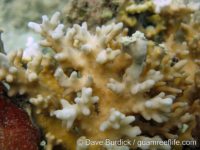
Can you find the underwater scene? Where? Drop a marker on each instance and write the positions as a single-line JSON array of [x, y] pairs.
[[99, 74]]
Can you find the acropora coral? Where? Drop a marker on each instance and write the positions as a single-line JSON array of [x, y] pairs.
[[116, 84]]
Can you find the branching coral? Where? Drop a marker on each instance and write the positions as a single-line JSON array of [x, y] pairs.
[[51, 141], [106, 85], [156, 17], [70, 112]]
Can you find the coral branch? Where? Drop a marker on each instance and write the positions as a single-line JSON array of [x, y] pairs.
[[70, 112], [156, 108], [73, 83], [119, 122], [52, 141]]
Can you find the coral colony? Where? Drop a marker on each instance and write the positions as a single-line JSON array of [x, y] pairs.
[[118, 88]]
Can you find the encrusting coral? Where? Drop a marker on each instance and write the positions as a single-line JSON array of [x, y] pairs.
[[107, 85]]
